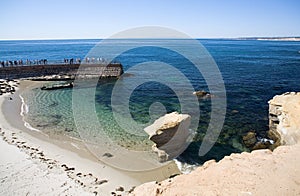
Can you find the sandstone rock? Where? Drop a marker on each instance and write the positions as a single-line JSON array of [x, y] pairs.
[[170, 134], [250, 139], [261, 145], [284, 119], [202, 94]]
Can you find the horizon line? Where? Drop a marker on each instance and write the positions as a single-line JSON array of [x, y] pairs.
[[246, 37]]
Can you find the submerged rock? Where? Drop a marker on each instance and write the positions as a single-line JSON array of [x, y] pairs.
[[170, 134], [254, 142], [107, 154], [250, 139]]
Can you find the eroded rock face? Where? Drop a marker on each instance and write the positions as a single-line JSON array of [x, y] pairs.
[[284, 118], [170, 134]]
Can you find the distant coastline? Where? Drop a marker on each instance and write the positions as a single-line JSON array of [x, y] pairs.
[[271, 38]]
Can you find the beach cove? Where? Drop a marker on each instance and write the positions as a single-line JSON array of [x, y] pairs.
[[66, 167], [64, 161]]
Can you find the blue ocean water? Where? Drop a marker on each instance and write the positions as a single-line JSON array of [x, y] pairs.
[[253, 72]]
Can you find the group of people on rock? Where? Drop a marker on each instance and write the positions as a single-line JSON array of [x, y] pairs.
[[89, 60], [21, 62], [94, 60], [71, 61]]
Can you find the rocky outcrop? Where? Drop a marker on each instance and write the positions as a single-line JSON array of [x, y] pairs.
[[254, 142], [261, 172], [58, 86], [202, 94], [8, 86], [250, 139], [170, 134], [284, 114]]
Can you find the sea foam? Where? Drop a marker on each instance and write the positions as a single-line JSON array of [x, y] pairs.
[[24, 111], [185, 168]]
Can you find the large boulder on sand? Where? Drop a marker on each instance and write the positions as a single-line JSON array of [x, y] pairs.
[[170, 134]]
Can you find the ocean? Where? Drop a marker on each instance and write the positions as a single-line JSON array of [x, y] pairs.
[[253, 72]]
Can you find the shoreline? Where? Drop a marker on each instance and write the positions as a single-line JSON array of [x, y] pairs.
[[68, 154]]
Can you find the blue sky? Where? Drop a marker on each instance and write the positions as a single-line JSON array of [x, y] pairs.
[[59, 19]]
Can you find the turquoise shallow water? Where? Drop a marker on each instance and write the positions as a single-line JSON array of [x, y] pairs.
[[253, 72]]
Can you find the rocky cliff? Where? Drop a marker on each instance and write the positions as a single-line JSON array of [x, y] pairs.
[[261, 172], [284, 118]]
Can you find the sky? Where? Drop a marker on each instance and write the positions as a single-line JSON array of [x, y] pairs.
[[71, 19]]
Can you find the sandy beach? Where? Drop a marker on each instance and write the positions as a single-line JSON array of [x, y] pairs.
[[33, 163]]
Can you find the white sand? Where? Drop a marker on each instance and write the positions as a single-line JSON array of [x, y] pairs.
[[21, 175]]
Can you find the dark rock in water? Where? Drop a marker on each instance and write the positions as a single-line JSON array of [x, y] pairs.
[[53, 104], [58, 86], [107, 154], [255, 142], [202, 94], [43, 125], [250, 139], [68, 129], [55, 116]]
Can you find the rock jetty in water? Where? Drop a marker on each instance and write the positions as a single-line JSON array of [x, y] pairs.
[[170, 134], [58, 86]]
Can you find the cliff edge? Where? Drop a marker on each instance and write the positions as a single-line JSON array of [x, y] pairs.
[[261, 172], [284, 118]]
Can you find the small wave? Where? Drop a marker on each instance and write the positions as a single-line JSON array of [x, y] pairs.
[[185, 168], [24, 107], [24, 111], [28, 126]]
